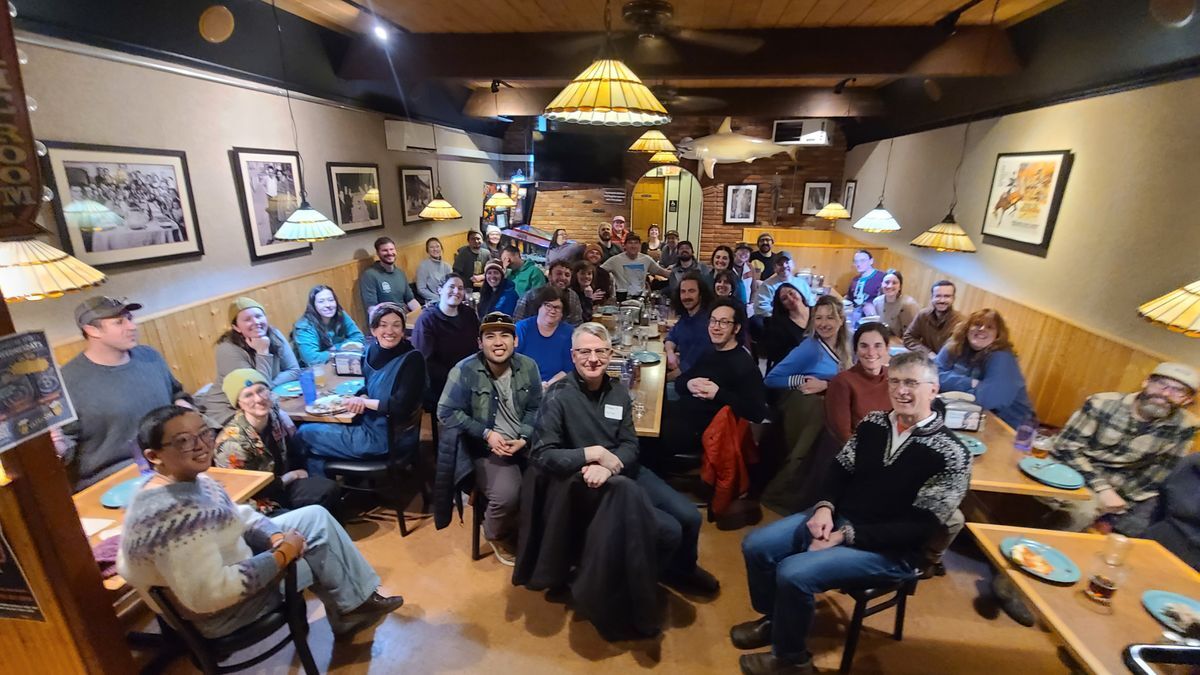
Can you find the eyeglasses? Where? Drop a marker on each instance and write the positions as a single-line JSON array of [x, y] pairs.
[[553, 308], [1177, 389], [601, 353], [895, 383], [193, 442], [723, 323]]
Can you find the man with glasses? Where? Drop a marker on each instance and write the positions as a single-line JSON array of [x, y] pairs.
[[887, 493], [491, 399], [113, 384], [560, 278], [585, 426], [545, 337], [1126, 445]]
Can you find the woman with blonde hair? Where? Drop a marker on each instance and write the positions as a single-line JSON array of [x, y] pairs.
[[979, 359]]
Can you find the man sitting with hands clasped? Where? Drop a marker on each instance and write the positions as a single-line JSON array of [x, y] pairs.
[[887, 493]]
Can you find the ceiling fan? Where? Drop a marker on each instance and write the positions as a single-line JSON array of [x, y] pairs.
[[686, 103], [652, 36]]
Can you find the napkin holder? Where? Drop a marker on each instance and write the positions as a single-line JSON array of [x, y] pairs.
[[963, 415], [347, 363]]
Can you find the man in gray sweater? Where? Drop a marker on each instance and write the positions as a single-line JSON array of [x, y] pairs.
[[383, 281], [113, 384]]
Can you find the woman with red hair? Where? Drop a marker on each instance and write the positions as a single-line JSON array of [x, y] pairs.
[[979, 359]]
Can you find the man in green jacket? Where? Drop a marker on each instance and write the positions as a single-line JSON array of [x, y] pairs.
[[525, 274]]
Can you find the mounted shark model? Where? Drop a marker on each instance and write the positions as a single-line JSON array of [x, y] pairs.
[[726, 147]]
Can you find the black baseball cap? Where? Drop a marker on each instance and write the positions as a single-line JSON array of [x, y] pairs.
[[102, 307], [497, 321]]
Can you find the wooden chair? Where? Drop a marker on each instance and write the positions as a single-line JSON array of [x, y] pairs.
[[898, 592], [207, 653], [387, 476]]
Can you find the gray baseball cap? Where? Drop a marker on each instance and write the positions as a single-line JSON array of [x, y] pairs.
[[102, 307]]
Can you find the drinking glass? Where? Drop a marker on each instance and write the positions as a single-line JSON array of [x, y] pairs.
[[319, 376], [1024, 438], [1104, 578], [638, 406], [1041, 446]]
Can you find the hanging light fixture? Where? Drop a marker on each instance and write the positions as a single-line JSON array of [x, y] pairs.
[[31, 269], [372, 196], [1178, 310], [86, 215], [439, 209], [833, 211], [500, 200], [878, 219], [652, 141], [664, 158], [607, 93], [948, 236], [305, 224]]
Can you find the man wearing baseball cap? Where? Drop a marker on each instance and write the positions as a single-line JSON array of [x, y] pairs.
[[1126, 445], [113, 384], [489, 403]]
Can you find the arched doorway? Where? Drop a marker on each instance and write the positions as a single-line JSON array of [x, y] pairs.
[[670, 197]]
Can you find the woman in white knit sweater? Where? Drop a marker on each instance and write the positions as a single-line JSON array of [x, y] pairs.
[[223, 561]]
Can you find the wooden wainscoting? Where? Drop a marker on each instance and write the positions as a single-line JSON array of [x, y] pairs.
[[1063, 362], [185, 335]]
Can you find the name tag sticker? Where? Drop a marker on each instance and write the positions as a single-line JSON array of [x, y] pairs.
[[612, 412]]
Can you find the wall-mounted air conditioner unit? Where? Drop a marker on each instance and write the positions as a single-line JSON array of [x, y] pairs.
[[803, 132], [404, 135]]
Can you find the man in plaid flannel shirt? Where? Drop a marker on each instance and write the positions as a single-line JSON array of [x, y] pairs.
[[1125, 445]]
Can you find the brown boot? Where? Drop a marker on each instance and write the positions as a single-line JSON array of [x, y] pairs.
[[360, 617], [766, 663]]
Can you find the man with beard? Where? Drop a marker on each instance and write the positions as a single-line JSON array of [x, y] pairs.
[[493, 397], [630, 269], [667, 255], [384, 281], [1126, 445], [688, 338], [686, 262], [607, 245], [560, 278], [933, 325], [764, 254]]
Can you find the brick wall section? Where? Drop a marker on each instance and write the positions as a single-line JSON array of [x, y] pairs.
[[577, 209]]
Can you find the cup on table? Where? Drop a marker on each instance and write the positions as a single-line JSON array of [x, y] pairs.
[[319, 376], [639, 405], [308, 386], [1041, 446]]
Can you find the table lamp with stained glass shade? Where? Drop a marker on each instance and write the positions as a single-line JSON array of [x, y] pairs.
[[1178, 310]]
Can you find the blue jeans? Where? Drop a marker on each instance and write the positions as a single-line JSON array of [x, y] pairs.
[[785, 576], [676, 520]]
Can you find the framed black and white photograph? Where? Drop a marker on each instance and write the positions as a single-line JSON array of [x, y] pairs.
[[268, 186], [740, 203], [354, 194], [122, 206], [416, 190], [1022, 207], [816, 196], [848, 192]]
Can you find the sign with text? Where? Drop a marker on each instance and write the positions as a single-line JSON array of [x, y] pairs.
[[20, 180], [16, 598], [33, 399]]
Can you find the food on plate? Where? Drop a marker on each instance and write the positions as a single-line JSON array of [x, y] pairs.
[[1031, 560], [1185, 618], [327, 405]]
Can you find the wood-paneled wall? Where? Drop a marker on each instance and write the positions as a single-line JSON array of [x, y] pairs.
[[185, 335], [1063, 362]]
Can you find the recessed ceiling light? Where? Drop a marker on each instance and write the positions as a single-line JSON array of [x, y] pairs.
[[381, 32]]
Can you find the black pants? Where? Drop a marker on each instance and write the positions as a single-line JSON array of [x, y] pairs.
[[314, 490]]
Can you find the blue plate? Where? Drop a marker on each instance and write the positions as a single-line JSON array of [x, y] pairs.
[[288, 390], [120, 494], [1156, 601], [349, 387], [1051, 472], [1065, 570], [975, 446]]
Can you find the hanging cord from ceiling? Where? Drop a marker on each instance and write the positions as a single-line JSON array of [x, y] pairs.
[[887, 167], [961, 156], [288, 95]]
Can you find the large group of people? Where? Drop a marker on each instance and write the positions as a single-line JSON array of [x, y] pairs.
[[865, 472]]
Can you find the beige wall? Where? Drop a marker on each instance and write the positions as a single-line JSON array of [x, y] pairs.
[[1128, 229], [93, 100]]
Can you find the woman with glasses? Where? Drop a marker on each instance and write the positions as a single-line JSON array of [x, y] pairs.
[[222, 561], [979, 359], [256, 439], [395, 386], [545, 337]]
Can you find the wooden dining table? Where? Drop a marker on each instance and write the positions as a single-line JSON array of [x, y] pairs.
[[239, 483], [1094, 635], [650, 389], [996, 470]]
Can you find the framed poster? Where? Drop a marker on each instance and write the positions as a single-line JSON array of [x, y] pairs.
[[122, 206], [848, 195], [354, 194], [816, 196], [1022, 206], [268, 186], [740, 203], [416, 190], [17, 600]]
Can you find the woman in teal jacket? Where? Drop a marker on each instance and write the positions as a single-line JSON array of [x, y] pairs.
[[324, 328]]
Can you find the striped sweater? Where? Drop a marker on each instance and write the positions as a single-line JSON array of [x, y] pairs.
[[191, 537]]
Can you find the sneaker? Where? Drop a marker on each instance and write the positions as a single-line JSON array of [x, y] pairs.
[[766, 663], [504, 553], [360, 617]]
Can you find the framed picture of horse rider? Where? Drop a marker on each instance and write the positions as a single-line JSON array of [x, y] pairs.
[[1026, 193]]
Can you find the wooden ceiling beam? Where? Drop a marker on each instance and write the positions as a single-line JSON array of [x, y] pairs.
[[769, 102], [802, 52]]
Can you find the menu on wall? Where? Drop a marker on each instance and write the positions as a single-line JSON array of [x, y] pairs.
[[33, 399], [16, 598], [20, 179]]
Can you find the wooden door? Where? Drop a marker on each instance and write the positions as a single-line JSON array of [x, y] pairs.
[[647, 204]]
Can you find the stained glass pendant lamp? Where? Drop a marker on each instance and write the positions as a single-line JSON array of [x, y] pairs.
[[1178, 310], [833, 211], [948, 236], [879, 219], [652, 141], [34, 270], [664, 158]]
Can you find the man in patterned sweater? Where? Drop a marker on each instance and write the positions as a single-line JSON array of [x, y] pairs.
[[894, 483]]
